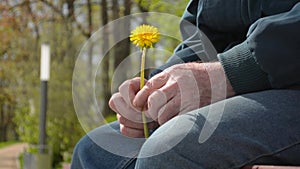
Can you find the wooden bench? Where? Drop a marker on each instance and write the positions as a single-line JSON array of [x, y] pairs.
[[271, 167]]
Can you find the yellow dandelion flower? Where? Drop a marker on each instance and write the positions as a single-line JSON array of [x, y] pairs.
[[145, 36]]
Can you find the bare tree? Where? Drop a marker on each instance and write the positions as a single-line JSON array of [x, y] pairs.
[[105, 79], [122, 48]]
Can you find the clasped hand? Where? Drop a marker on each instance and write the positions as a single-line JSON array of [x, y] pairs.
[[177, 90]]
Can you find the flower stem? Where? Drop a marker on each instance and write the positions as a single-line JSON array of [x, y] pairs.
[[142, 83]]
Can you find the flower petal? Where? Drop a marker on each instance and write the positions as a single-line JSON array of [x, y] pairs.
[[145, 36]]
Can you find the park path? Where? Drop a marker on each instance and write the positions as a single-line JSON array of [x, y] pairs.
[[9, 155]]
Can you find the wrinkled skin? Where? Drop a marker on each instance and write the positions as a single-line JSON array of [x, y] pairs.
[[178, 89]]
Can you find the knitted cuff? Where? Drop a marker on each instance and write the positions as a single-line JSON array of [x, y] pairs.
[[242, 70]]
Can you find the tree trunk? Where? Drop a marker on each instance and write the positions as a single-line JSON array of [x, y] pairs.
[[1, 124], [122, 48], [105, 63], [3, 127], [90, 24], [116, 33], [68, 24]]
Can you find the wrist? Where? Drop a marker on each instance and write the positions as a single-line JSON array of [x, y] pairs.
[[220, 84]]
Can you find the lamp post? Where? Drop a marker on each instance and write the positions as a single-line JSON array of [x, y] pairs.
[[45, 75]]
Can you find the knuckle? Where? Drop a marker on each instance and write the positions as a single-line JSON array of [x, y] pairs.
[[123, 130], [151, 100], [149, 84], [122, 120], [115, 96], [161, 120], [135, 79], [112, 100], [124, 85], [111, 103]]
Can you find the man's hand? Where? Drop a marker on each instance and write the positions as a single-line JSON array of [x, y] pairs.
[[130, 118], [182, 88]]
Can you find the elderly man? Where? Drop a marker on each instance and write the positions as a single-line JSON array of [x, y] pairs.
[[239, 110]]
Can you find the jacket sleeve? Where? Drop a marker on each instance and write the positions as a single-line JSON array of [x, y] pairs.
[[191, 43], [219, 21], [269, 57]]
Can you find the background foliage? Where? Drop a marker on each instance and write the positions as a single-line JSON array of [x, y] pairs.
[[66, 25]]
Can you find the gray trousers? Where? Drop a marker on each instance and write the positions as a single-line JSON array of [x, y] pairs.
[[255, 128]]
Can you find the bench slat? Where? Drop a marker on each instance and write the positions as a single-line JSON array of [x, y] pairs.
[[271, 167]]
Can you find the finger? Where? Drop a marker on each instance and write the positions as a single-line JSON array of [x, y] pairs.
[[129, 89], [131, 132], [160, 97], [118, 104], [128, 123], [153, 84], [111, 101], [169, 110], [134, 125]]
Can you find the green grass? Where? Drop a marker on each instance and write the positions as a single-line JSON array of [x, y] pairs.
[[111, 118], [21, 160], [8, 143]]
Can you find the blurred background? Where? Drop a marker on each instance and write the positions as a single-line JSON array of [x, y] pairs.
[[66, 25]]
